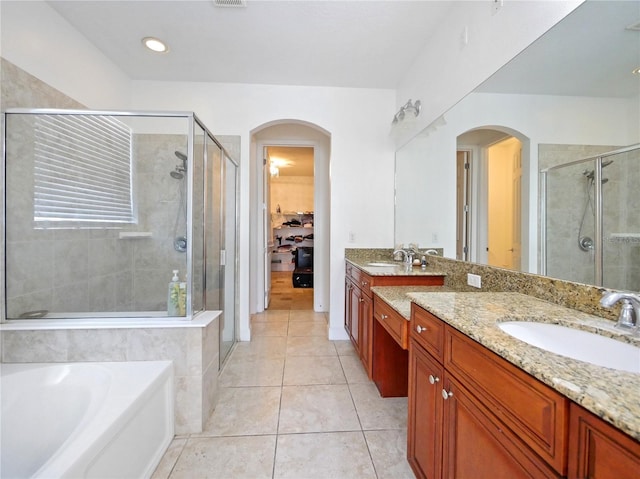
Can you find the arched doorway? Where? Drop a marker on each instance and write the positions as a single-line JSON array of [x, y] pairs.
[[492, 197], [299, 134]]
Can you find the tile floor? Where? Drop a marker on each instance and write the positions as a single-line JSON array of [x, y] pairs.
[[294, 405]]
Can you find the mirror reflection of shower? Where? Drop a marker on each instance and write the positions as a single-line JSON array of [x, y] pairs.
[[180, 241], [585, 242]]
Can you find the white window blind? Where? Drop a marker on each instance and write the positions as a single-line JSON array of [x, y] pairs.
[[82, 170]]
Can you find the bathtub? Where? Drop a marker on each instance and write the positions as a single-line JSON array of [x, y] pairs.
[[77, 420]]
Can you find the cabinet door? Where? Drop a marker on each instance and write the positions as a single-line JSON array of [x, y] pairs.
[[354, 313], [599, 451], [366, 330], [424, 441], [477, 445], [347, 305]]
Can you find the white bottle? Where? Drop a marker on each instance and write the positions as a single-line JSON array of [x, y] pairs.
[[173, 295]]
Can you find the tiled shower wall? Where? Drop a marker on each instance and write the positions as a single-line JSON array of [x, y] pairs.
[[566, 206], [194, 350], [93, 270]]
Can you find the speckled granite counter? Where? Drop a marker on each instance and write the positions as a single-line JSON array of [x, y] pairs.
[[393, 269], [610, 394], [396, 296]]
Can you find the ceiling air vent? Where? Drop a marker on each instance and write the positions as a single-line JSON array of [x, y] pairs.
[[230, 3], [634, 26]]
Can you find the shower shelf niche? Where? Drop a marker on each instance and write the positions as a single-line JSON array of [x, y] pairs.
[[135, 234], [625, 238]]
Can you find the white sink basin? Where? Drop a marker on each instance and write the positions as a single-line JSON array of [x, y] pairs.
[[576, 344], [380, 264]]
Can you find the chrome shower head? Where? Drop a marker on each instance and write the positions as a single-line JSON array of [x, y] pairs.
[[178, 173]]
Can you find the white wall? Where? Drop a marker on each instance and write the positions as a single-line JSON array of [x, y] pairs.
[[361, 164], [447, 69], [35, 38], [549, 119]]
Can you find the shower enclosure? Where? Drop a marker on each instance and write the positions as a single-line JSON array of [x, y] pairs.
[[102, 207], [590, 221]]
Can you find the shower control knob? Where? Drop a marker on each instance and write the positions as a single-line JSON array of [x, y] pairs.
[[446, 394]]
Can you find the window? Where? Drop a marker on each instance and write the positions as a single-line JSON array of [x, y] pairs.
[[82, 171]]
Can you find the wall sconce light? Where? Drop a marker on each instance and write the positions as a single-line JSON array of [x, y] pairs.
[[408, 108]]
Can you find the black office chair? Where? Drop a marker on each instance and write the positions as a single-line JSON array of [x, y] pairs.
[[303, 273]]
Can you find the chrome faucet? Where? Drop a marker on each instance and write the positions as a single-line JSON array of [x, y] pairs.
[[629, 317], [408, 254]]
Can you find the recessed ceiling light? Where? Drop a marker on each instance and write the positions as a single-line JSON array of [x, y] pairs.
[[155, 45], [636, 71]]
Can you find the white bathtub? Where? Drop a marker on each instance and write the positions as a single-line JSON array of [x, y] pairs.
[[77, 420]]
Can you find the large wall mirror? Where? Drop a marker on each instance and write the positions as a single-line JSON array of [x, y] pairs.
[[471, 182]]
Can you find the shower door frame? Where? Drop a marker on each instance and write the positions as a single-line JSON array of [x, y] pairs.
[[598, 215]]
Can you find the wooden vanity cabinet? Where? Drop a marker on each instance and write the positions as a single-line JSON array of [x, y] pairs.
[[358, 318], [359, 314], [469, 418], [598, 450]]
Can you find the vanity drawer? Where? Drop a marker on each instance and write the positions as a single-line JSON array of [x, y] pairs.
[[427, 330], [391, 321], [535, 412]]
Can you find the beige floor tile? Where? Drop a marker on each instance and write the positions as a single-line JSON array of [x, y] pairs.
[[269, 328], [271, 315], [345, 348], [389, 453], [376, 412], [240, 372], [317, 409], [303, 370], [249, 457], [342, 455], [309, 328], [244, 411], [307, 316], [261, 347], [353, 370], [310, 346], [169, 459]]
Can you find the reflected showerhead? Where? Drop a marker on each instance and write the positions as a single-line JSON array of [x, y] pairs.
[[591, 173], [178, 173]]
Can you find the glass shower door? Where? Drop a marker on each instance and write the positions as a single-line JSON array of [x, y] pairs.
[[229, 271], [621, 221]]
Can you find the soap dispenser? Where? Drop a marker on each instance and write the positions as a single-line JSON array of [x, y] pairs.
[[173, 296]]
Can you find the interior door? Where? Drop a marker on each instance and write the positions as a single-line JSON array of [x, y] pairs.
[[463, 207], [266, 225]]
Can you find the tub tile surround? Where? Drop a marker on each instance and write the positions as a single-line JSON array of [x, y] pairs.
[[192, 346]]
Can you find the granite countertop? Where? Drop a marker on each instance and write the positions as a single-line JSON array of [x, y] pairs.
[[610, 394], [396, 296], [393, 268]]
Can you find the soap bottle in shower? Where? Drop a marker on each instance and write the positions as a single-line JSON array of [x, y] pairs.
[[173, 296]]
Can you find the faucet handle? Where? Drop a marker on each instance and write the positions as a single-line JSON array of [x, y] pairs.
[[627, 318]]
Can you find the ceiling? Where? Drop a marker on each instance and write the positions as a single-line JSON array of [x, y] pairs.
[[292, 160], [361, 44], [591, 52]]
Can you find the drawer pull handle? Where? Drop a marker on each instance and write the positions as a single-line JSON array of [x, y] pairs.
[[433, 379], [383, 316], [361, 299], [446, 394], [364, 283], [420, 329]]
